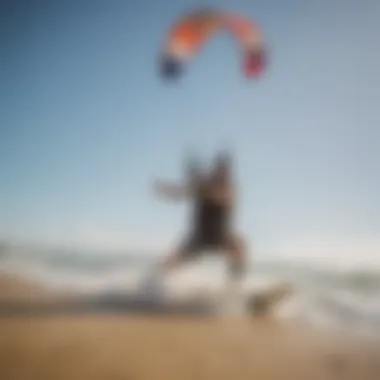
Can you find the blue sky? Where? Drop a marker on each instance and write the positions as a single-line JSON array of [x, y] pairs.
[[87, 123]]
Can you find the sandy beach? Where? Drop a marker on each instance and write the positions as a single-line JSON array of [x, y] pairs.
[[113, 347]]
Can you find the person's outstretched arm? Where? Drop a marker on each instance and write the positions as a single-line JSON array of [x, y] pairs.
[[171, 191], [185, 190]]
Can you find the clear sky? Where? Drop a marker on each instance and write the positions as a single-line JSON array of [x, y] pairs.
[[87, 123]]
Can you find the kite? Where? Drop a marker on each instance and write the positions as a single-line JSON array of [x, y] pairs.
[[191, 32]]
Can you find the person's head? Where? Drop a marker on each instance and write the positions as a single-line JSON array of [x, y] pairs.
[[222, 167], [193, 170]]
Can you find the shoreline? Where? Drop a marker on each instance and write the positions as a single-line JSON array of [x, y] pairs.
[[117, 346]]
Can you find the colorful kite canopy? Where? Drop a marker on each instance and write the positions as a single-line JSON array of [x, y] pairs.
[[190, 33]]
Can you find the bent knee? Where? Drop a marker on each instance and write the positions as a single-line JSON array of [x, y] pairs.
[[237, 246]]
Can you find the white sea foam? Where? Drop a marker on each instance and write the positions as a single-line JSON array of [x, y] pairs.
[[323, 296]]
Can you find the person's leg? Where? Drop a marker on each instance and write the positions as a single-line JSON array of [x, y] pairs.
[[186, 252], [235, 250], [237, 257]]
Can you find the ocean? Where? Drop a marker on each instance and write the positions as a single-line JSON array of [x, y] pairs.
[[325, 296]]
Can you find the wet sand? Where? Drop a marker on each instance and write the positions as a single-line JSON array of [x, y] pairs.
[[116, 347]]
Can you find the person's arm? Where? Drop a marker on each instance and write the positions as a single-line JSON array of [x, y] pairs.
[[175, 192], [185, 190]]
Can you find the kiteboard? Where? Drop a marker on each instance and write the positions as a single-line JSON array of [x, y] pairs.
[[266, 301], [255, 303]]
